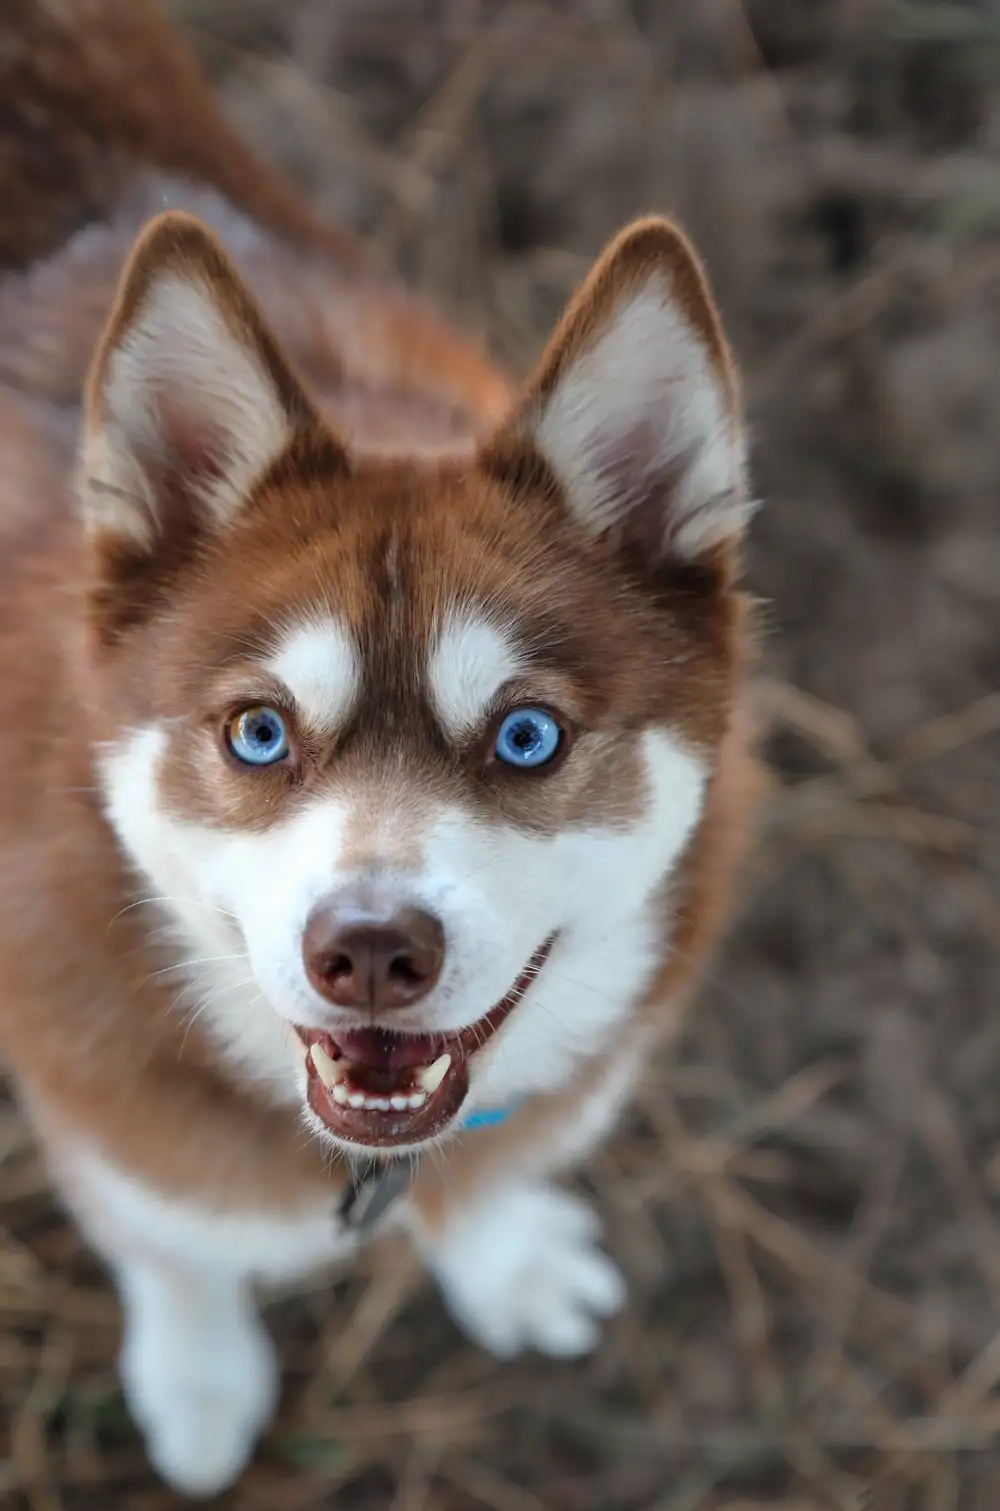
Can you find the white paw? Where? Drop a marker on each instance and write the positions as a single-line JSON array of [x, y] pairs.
[[523, 1270], [200, 1387]]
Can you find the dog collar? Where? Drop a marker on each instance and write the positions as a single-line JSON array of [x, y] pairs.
[[487, 1117]]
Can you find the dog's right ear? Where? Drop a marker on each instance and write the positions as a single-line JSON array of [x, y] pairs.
[[189, 400], [634, 409]]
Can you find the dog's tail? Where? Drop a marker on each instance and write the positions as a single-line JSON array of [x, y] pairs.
[[93, 93]]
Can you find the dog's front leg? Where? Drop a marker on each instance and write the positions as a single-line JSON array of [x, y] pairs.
[[198, 1369], [518, 1259], [197, 1366]]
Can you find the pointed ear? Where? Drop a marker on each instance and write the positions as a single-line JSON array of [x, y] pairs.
[[634, 410], [189, 400]]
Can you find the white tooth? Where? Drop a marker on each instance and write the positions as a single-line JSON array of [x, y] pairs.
[[327, 1068], [340, 1094], [431, 1076], [380, 1104], [416, 1099], [356, 1099], [399, 1103]]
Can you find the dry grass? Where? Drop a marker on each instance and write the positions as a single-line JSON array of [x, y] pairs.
[[806, 1198]]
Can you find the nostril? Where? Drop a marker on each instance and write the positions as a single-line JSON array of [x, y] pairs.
[[404, 969], [337, 965]]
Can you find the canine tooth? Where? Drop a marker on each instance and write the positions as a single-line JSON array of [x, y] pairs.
[[429, 1077], [356, 1099], [339, 1094], [416, 1099], [399, 1103], [327, 1068]]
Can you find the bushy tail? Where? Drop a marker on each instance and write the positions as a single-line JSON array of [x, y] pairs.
[[93, 92]]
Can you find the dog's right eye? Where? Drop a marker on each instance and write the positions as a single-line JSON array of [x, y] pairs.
[[258, 736], [528, 737]]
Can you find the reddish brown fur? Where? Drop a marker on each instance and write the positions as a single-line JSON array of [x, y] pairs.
[[85, 1025], [98, 95], [96, 90]]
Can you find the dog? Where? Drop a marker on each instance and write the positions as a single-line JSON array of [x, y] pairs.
[[377, 762]]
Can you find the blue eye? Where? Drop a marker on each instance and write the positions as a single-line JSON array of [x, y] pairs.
[[258, 736], [528, 737]]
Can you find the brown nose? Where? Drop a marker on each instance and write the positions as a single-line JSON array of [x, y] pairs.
[[364, 957]]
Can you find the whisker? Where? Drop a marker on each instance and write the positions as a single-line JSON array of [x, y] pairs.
[[202, 1006], [183, 965], [145, 902]]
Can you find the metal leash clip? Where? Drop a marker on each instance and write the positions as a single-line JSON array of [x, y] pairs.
[[369, 1194]]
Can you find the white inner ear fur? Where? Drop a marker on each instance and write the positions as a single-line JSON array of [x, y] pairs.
[[180, 389], [641, 418], [468, 662], [318, 663]]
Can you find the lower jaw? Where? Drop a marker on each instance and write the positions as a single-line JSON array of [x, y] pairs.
[[387, 1128]]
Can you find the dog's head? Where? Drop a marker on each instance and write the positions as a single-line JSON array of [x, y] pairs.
[[411, 750]]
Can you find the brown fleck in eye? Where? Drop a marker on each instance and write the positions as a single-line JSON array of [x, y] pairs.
[[258, 736], [528, 738]]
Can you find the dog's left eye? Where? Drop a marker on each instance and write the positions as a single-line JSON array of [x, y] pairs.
[[528, 737], [258, 736]]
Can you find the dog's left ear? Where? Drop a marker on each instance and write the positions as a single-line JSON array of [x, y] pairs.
[[634, 409], [189, 400]]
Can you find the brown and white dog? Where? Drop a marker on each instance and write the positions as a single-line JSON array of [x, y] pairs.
[[374, 769]]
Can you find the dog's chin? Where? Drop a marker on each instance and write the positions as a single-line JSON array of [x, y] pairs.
[[372, 1088]]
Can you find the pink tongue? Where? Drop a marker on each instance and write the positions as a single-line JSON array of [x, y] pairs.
[[378, 1050]]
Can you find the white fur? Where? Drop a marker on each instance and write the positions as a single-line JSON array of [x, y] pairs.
[[498, 890], [641, 408], [198, 1371], [594, 1116], [224, 993], [179, 371], [198, 1368], [123, 1215], [318, 662], [469, 661], [520, 1268]]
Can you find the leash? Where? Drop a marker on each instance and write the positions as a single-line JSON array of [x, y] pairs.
[[369, 1194]]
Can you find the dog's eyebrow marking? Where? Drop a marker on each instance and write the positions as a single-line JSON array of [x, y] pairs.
[[469, 659], [318, 662]]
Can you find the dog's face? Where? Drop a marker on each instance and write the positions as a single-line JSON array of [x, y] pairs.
[[411, 752]]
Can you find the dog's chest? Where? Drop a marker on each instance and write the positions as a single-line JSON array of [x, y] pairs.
[[120, 1213]]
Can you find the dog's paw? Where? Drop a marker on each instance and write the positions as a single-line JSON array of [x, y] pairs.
[[201, 1443], [524, 1270], [201, 1389]]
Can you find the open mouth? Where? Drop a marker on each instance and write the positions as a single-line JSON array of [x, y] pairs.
[[373, 1087]]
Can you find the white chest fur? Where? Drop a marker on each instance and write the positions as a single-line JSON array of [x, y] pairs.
[[121, 1215]]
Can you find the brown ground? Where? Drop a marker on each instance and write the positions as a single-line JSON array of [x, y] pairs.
[[807, 1201]]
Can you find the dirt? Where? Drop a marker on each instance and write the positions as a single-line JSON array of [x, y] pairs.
[[807, 1198]]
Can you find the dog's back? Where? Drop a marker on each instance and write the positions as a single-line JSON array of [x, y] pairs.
[[105, 121]]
